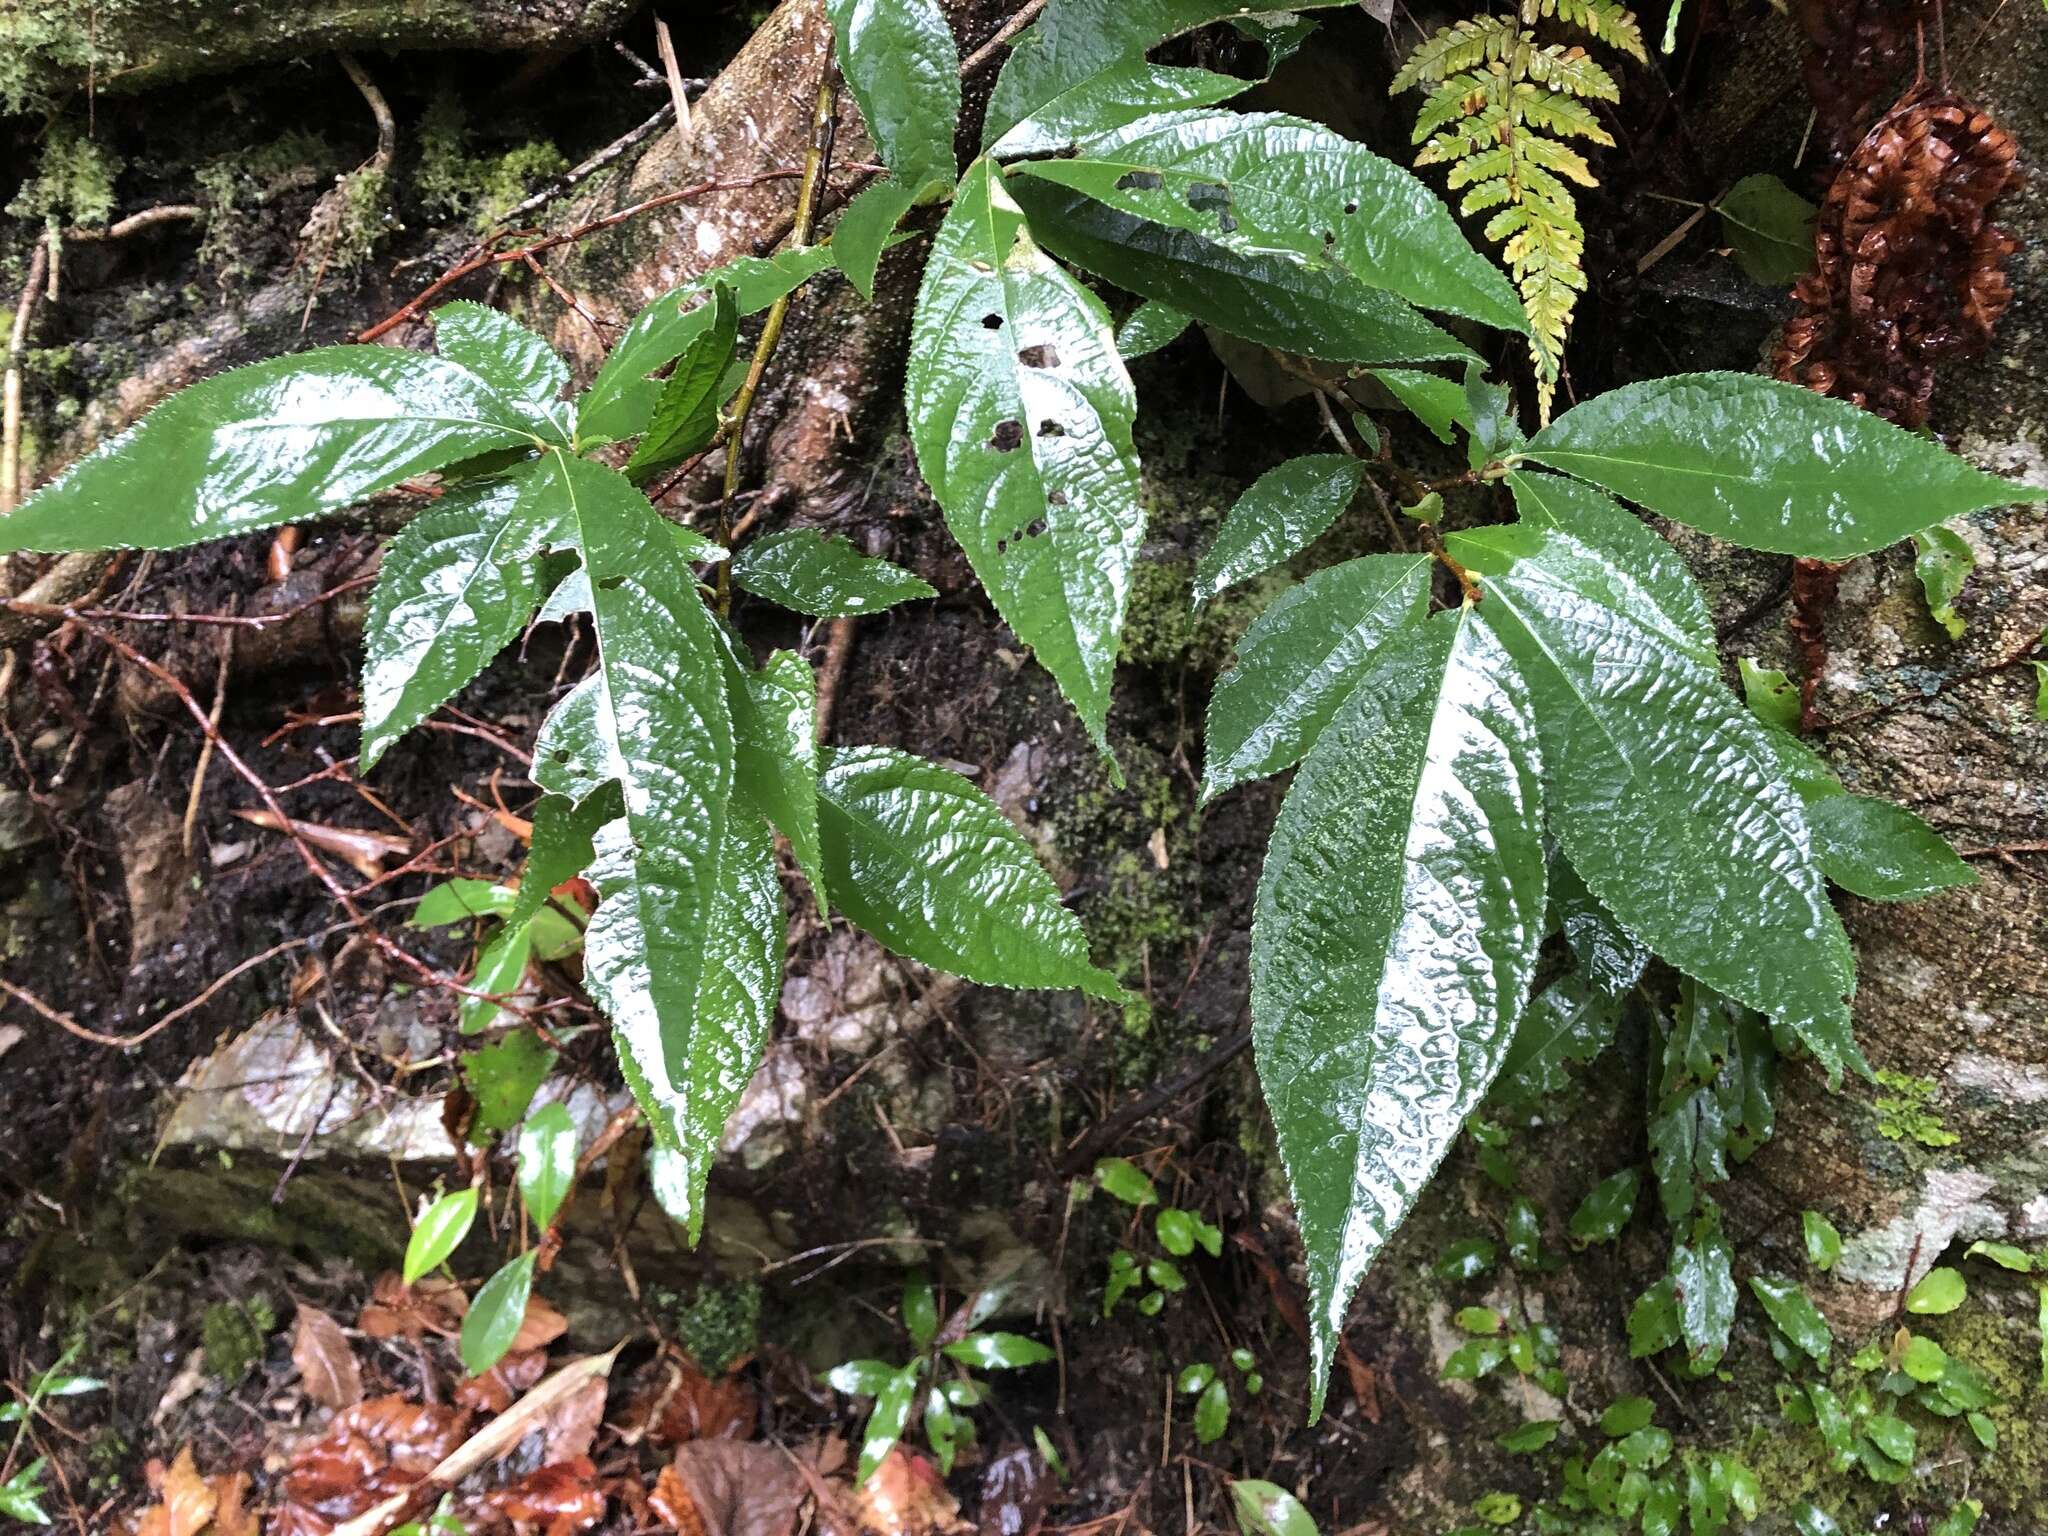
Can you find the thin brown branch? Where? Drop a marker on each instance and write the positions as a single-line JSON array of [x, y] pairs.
[[478, 262]]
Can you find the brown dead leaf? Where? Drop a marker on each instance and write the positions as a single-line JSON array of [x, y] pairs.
[[569, 1428], [233, 1517], [671, 1502], [540, 1327], [188, 1504], [395, 1310], [907, 1497], [364, 852], [1365, 1382], [327, 1366], [682, 1404], [367, 1452], [563, 1497], [494, 1391], [732, 1488], [188, 1499]]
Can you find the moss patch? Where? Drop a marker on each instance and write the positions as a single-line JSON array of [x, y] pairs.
[[233, 1333]]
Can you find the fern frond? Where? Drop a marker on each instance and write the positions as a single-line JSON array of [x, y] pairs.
[[1459, 96], [1558, 114], [1607, 20], [1500, 110], [1481, 40], [1573, 71]]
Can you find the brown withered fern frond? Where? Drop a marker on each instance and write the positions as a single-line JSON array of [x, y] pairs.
[[1909, 273], [1859, 53], [1909, 270]]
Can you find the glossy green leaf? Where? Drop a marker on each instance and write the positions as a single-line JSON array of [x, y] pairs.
[[678, 889], [1049, 74], [1470, 1258], [1020, 411], [1529, 1438], [456, 586], [1702, 1275], [1653, 1321], [688, 1058], [456, 901], [1922, 1358], [1111, 98], [2004, 1255], [1768, 465], [685, 418], [931, 866], [1609, 957], [1771, 695], [1175, 1230], [22, 1494], [900, 62], [1626, 1415], [1437, 402], [823, 575], [621, 398], [547, 1162], [1570, 1020], [503, 1076], [1603, 1213], [920, 1310], [1125, 1180], [1787, 1306], [440, 1231], [1300, 660], [1869, 847], [1266, 1509], [1665, 794], [1770, 228], [1149, 327], [499, 971], [1491, 408], [1938, 1291], [508, 357], [1712, 1094], [277, 441], [1823, 1242], [1959, 1521], [1883, 852], [1396, 929], [990, 1351], [860, 1378], [1640, 555], [885, 1424], [1285, 510], [1212, 1413], [1943, 560], [862, 233], [1276, 300], [1193, 1379], [495, 1314], [1262, 182], [572, 593], [775, 749], [1811, 1520]]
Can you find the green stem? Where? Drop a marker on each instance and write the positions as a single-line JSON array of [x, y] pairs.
[[824, 122]]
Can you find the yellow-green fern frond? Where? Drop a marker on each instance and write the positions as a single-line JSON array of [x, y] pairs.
[[1482, 40], [1608, 20], [1559, 114], [1459, 96], [1573, 71], [1501, 106]]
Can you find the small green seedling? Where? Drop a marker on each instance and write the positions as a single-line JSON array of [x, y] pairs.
[[896, 1389]]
